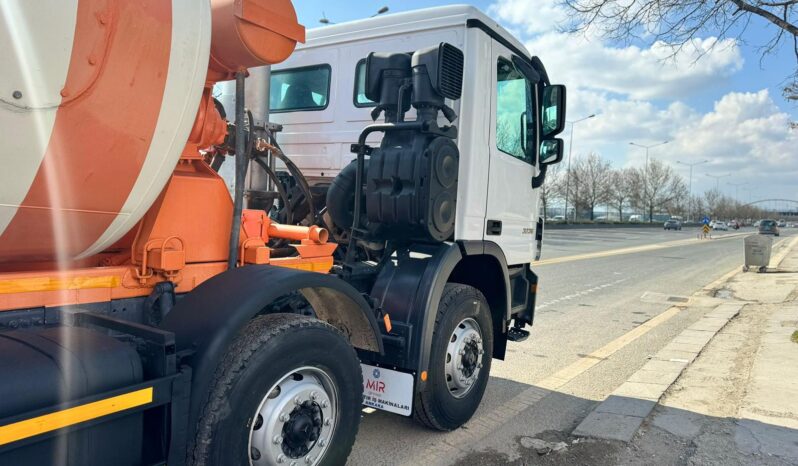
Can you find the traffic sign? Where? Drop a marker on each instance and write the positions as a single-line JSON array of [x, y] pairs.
[[705, 220], [706, 229]]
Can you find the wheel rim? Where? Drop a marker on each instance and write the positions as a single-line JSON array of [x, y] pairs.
[[464, 357], [295, 420]]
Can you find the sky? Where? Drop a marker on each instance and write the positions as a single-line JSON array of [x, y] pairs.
[[725, 108]]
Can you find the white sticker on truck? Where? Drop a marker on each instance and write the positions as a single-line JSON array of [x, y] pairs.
[[387, 390]]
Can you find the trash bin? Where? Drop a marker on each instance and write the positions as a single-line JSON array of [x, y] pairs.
[[757, 252]]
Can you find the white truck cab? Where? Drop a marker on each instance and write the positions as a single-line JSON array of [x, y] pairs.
[[420, 140], [318, 96]]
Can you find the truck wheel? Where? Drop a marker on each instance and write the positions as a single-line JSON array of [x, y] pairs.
[[462, 349], [288, 391]]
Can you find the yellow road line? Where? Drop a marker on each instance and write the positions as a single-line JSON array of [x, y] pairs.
[[71, 416], [629, 250], [570, 372]]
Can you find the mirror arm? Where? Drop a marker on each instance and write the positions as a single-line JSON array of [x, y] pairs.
[[538, 181]]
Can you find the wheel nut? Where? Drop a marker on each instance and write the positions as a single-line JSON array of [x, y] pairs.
[[327, 422], [322, 443], [308, 459], [294, 463], [277, 440], [284, 417], [297, 401], [461, 352], [281, 458], [479, 366], [481, 351], [313, 396]]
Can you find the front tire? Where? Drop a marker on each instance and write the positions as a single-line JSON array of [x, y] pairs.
[[460, 359], [289, 389]]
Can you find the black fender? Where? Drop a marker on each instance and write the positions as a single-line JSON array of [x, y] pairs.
[[409, 290], [206, 320]]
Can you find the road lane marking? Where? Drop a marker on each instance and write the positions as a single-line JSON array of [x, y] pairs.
[[580, 294], [631, 250]]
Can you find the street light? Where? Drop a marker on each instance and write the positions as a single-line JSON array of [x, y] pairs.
[[645, 172], [690, 200], [568, 173], [736, 189], [380, 11], [324, 20], [717, 179]]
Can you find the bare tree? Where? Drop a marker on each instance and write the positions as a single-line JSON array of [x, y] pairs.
[[593, 175], [621, 190], [712, 201], [678, 22], [660, 186], [552, 188]]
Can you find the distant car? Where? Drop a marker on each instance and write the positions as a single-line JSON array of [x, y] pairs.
[[769, 227], [720, 226], [734, 224], [756, 224], [782, 224], [673, 224], [635, 219], [558, 218]]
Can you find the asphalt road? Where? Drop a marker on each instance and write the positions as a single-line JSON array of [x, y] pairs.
[[596, 285]]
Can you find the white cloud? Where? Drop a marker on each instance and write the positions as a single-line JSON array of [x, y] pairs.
[[530, 17], [657, 72]]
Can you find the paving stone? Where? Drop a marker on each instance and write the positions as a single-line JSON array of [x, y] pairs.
[[655, 377], [609, 426], [626, 406], [645, 391]]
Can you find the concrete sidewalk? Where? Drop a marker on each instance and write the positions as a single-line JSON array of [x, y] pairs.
[[725, 391]]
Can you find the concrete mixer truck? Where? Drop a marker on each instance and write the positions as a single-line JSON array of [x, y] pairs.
[[149, 317]]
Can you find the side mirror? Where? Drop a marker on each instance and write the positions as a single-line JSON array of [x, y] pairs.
[[553, 115], [551, 151]]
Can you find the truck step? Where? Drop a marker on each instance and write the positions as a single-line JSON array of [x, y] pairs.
[[517, 335]]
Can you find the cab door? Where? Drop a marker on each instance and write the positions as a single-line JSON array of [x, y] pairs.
[[512, 206]]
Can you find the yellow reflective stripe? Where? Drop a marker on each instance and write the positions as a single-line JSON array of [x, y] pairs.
[[27, 285], [71, 416]]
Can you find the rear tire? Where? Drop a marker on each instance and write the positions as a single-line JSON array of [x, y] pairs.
[[460, 359], [289, 385]]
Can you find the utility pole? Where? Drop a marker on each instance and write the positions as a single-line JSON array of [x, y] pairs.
[[568, 172], [645, 173], [717, 180], [690, 201]]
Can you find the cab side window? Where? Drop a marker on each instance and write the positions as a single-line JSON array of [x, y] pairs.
[[300, 89], [515, 125]]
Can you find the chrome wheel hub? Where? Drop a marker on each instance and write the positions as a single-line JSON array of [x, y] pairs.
[[295, 420], [464, 357]]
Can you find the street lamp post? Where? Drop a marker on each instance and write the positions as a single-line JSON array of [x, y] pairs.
[[324, 20], [690, 200], [736, 189], [717, 179], [568, 172], [645, 171]]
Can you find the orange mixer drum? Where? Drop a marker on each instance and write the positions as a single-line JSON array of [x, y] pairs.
[[97, 100]]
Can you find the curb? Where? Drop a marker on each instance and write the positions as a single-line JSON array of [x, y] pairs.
[[623, 412], [620, 415]]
